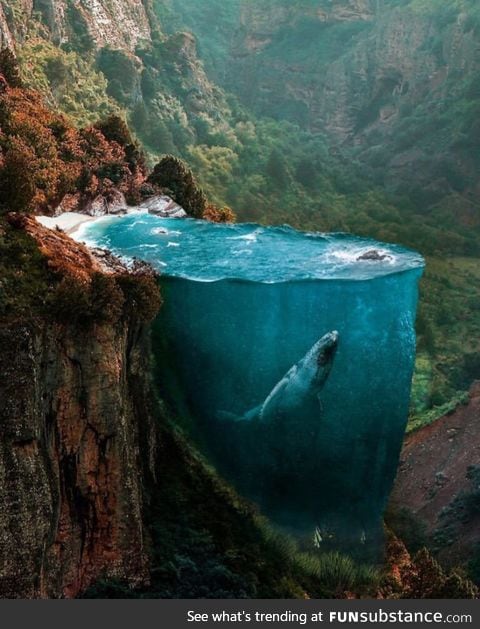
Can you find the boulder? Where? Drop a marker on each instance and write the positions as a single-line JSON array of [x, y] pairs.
[[374, 256], [163, 206], [112, 203]]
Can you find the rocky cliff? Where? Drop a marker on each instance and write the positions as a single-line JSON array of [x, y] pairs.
[[117, 23], [74, 413], [392, 84], [340, 58]]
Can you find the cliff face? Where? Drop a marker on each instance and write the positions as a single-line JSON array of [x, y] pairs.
[[73, 413], [355, 55], [391, 84], [117, 23]]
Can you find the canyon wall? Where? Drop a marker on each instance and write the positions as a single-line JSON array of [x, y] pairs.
[[117, 23], [76, 444]]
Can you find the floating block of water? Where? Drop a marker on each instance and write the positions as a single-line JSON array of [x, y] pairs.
[[294, 354]]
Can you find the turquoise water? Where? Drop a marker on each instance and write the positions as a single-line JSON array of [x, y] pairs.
[[204, 251], [309, 426]]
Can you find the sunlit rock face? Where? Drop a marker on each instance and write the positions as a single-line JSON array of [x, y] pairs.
[[294, 353]]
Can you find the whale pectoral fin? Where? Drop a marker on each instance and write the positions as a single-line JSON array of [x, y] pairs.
[[267, 409], [225, 416]]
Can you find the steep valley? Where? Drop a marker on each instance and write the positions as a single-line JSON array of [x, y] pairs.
[[343, 115]]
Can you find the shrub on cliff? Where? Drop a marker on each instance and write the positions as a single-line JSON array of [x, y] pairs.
[[84, 303], [216, 214], [115, 129], [9, 68], [106, 298], [121, 72], [142, 295], [173, 175]]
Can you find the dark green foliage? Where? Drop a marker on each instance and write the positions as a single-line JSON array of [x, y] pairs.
[[306, 172], [115, 129], [148, 84], [121, 72], [70, 302], [276, 168], [81, 304], [174, 176], [158, 136], [17, 192], [24, 274], [408, 527], [141, 293], [9, 68], [80, 39]]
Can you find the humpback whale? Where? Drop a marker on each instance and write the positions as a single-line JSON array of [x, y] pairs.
[[300, 385]]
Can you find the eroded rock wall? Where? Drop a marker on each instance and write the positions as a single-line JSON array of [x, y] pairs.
[[77, 441], [116, 23], [70, 470]]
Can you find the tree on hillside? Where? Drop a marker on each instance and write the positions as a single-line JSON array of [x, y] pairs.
[[115, 129], [175, 177], [9, 68], [276, 168]]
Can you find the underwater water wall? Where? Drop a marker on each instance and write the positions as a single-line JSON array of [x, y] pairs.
[[294, 355]]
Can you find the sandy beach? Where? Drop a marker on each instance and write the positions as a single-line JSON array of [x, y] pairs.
[[68, 222]]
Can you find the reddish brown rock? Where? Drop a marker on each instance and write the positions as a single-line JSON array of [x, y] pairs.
[[73, 413], [436, 479]]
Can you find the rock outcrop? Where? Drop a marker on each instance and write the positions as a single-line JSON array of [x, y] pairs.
[[116, 23]]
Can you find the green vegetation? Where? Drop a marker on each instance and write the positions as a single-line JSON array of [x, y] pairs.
[[66, 79], [448, 338], [176, 179], [24, 274]]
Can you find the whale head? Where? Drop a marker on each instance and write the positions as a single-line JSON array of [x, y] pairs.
[[324, 353], [327, 346]]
